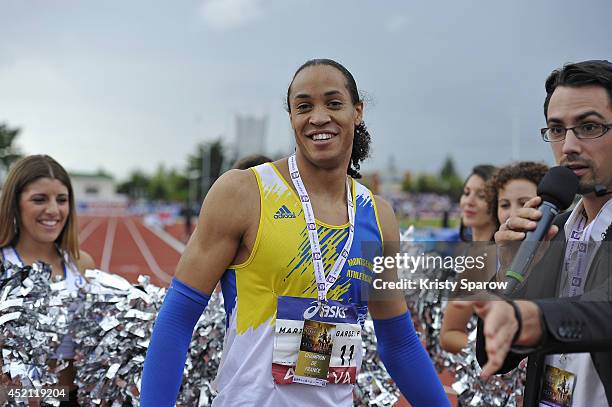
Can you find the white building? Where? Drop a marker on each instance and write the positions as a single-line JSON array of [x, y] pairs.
[[391, 178], [95, 193], [250, 135]]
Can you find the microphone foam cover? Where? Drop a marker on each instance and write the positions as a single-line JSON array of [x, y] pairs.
[[559, 186]]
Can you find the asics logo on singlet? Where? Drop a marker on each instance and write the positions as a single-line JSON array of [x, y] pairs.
[[284, 213], [325, 311]]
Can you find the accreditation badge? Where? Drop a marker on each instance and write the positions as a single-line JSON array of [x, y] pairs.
[[316, 343], [557, 387]]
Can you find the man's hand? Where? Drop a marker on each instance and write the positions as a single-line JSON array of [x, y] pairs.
[[500, 326], [514, 230]]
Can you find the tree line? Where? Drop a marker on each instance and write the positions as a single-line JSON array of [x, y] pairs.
[[202, 169], [445, 182]]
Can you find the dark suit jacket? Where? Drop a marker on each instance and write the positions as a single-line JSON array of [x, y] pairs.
[[574, 324]]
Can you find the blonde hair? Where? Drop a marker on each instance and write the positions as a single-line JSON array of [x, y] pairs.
[[21, 174]]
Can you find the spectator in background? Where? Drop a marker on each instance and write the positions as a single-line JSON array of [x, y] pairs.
[[477, 222], [187, 213], [476, 216], [512, 187]]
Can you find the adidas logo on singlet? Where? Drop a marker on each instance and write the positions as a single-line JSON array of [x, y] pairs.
[[284, 213]]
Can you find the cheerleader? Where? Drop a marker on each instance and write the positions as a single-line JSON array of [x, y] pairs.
[[38, 223]]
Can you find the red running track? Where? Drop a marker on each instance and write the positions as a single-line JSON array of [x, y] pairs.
[[124, 245]]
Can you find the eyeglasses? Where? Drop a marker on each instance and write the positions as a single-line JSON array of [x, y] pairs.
[[584, 131]]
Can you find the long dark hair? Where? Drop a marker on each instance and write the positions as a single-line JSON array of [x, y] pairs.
[[484, 171], [361, 139]]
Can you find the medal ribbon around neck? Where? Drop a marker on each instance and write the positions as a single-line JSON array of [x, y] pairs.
[[323, 284]]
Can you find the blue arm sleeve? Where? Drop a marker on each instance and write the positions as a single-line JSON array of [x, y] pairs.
[[408, 363], [165, 361]]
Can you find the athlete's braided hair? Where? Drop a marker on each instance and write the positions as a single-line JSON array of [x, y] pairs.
[[361, 139]]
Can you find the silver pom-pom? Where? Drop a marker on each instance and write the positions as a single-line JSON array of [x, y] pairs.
[[425, 306], [427, 309], [34, 318], [204, 355], [112, 335], [498, 391], [374, 386]]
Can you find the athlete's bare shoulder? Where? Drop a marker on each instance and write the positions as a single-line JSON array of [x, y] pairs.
[[235, 195], [236, 180], [230, 208]]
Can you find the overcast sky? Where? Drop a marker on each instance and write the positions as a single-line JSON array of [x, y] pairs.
[[130, 84]]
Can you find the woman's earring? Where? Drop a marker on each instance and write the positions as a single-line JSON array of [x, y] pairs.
[[15, 226]]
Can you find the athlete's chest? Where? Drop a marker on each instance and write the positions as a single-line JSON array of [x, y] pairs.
[[328, 212]]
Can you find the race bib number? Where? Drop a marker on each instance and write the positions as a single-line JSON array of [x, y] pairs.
[[325, 338]]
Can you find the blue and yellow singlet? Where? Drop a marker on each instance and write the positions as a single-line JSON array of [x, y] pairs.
[[280, 264]]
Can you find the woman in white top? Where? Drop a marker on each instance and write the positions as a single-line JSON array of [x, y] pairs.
[[38, 223]]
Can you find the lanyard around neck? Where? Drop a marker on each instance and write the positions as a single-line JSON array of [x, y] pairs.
[[323, 284]]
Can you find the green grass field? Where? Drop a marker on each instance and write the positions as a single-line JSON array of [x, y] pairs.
[[426, 223]]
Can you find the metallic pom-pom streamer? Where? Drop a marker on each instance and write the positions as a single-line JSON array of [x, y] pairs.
[[204, 355], [499, 391], [427, 309], [34, 318], [112, 333], [374, 386]]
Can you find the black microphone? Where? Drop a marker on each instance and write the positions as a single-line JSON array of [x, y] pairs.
[[557, 189], [601, 190]]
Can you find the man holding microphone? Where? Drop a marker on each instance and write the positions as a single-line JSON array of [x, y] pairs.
[[564, 323]]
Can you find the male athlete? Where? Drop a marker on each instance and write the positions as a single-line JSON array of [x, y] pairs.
[[293, 244]]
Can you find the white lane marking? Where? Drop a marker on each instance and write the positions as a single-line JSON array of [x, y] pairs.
[[108, 244], [167, 237], [146, 253], [89, 229]]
